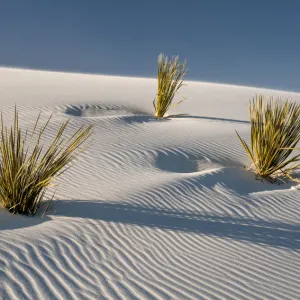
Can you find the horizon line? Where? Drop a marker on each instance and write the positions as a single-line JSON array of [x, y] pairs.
[[140, 77]]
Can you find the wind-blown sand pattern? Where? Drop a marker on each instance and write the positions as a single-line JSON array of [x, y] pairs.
[[153, 209]]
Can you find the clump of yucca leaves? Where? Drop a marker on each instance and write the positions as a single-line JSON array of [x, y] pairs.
[[25, 174], [275, 132], [170, 80]]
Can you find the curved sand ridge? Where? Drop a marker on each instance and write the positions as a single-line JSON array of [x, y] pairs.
[[153, 209], [95, 110]]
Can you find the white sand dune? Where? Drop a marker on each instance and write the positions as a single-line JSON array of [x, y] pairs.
[[153, 209]]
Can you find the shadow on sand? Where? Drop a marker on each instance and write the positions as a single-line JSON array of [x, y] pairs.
[[10, 221], [146, 118], [130, 115], [187, 116], [255, 231]]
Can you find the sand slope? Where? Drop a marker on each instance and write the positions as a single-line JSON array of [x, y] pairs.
[[153, 209]]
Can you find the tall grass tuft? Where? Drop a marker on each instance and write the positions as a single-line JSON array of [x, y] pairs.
[[25, 174], [170, 79], [275, 132]]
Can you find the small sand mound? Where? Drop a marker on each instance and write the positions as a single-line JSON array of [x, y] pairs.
[[179, 162], [216, 176], [241, 181], [96, 111]]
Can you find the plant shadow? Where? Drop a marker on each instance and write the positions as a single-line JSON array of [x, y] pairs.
[[10, 221], [188, 116], [275, 234]]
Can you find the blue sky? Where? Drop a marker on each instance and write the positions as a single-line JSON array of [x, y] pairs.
[[254, 43]]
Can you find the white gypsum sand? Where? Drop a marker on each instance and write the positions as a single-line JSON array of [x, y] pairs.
[[154, 209]]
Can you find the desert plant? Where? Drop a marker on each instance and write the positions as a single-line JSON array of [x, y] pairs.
[[26, 173], [275, 131], [170, 79]]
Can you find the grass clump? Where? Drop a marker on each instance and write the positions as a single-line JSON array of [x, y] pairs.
[[25, 174], [170, 79], [275, 132]]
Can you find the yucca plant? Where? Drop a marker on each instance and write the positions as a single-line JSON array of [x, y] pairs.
[[170, 79], [26, 173], [275, 132]]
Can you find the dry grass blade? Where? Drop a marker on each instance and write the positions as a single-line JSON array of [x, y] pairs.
[[275, 132], [25, 177], [170, 79]]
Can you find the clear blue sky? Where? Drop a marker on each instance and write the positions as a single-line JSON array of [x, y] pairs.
[[235, 41]]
